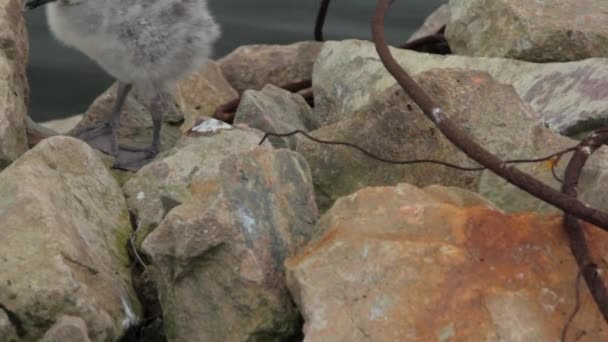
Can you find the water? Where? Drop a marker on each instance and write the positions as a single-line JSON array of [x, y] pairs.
[[63, 82]]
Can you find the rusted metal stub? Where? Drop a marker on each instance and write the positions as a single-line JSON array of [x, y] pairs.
[[572, 225]]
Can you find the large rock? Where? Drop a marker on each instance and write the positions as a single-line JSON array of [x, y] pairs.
[[568, 96], [166, 182], [13, 82], [218, 258], [275, 110], [67, 328], [135, 120], [538, 31], [395, 128], [253, 66], [201, 93], [436, 264], [64, 227]]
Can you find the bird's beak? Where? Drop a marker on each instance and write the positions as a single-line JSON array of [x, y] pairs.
[[31, 4]]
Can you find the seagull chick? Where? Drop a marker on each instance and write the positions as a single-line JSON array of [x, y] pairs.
[[147, 44]]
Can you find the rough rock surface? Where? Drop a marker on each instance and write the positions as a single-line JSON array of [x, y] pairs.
[[538, 31], [64, 227], [166, 182], [406, 264], [275, 110], [568, 96], [13, 83], [67, 328], [201, 93], [395, 128], [432, 23], [218, 258], [253, 66], [135, 121]]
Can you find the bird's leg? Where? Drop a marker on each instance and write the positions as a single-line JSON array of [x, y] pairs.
[[104, 136], [134, 157], [121, 97], [158, 108]]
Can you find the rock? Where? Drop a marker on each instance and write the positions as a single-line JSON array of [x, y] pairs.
[[201, 93], [512, 199], [396, 129], [13, 82], [275, 110], [253, 66], [402, 264], [570, 97], [218, 258], [64, 231], [67, 328], [537, 31], [432, 23], [158, 186], [135, 121], [63, 125]]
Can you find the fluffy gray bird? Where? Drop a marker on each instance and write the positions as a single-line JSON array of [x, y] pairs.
[[148, 44]]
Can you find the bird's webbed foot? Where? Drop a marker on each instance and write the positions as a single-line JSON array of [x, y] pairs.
[[133, 158], [99, 136]]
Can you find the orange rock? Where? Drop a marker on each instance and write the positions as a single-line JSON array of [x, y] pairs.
[[405, 264]]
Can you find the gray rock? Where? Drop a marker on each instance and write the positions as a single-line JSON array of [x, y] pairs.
[[253, 66], [65, 225], [168, 179], [67, 328], [201, 93], [395, 128], [275, 110], [537, 31], [569, 97], [218, 258], [392, 126], [13, 83]]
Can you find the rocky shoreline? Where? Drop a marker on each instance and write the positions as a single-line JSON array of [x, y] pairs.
[[225, 238]]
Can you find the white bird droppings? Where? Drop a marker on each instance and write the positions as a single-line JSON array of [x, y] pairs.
[[210, 126], [141, 195]]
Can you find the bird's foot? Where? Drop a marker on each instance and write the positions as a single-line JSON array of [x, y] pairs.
[[126, 157], [99, 136], [133, 158]]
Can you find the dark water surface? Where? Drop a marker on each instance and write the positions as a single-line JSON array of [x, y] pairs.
[[63, 82]]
